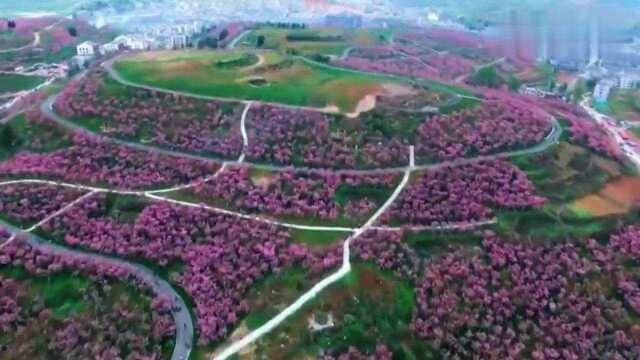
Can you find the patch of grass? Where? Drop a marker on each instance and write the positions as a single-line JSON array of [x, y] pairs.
[[458, 105], [567, 172], [622, 105], [19, 135], [317, 238], [256, 319], [556, 223], [124, 208], [306, 42], [11, 83], [368, 307], [346, 193], [432, 244], [13, 40]]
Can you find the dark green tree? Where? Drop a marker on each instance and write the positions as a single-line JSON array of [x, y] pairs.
[[487, 76], [72, 31]]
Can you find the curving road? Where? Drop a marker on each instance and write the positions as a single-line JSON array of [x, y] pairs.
[[615, 133], [180, 314]]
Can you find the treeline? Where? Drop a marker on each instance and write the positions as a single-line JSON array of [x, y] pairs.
[[284, 25], [314, 37]]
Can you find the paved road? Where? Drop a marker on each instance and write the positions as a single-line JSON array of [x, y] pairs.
[[614, 132], [181, 316]]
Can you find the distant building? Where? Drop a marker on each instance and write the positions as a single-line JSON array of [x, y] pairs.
[[345, 21], [87, 48], [533, 91], [603, 89], [80, 62], [178, 41], [133, 42], [629, 80], [109, 48]]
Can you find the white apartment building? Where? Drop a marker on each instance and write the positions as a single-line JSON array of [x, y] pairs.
[[603, 89], [629, 80], [109, 48], [87, 48]]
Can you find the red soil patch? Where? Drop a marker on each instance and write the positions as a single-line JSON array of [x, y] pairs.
[[617, 197]]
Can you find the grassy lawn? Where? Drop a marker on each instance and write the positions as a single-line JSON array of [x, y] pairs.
[[11, 83], [367, 307], [623, 105], [429, 244], [287, 80], [277, 39]]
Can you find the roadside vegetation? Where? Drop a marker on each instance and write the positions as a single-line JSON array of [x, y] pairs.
[[12, 83]]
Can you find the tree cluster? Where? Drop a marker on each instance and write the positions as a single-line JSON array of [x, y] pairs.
[[27, 204], [558, 301], [223, 256], [101, 162], [381, 353], [166, 120], [308, 138], [464, 194], [288, 193], [584, 129], [501, 123], [119, 331]]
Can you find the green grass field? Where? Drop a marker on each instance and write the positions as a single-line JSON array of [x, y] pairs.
[[367, 307], [623, 105], [11, 83], [288, 80]]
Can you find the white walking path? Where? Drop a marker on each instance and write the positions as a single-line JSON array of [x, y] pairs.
[[324, 283], [49, 217], [248, 217], [243, 131], [61, 211]]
